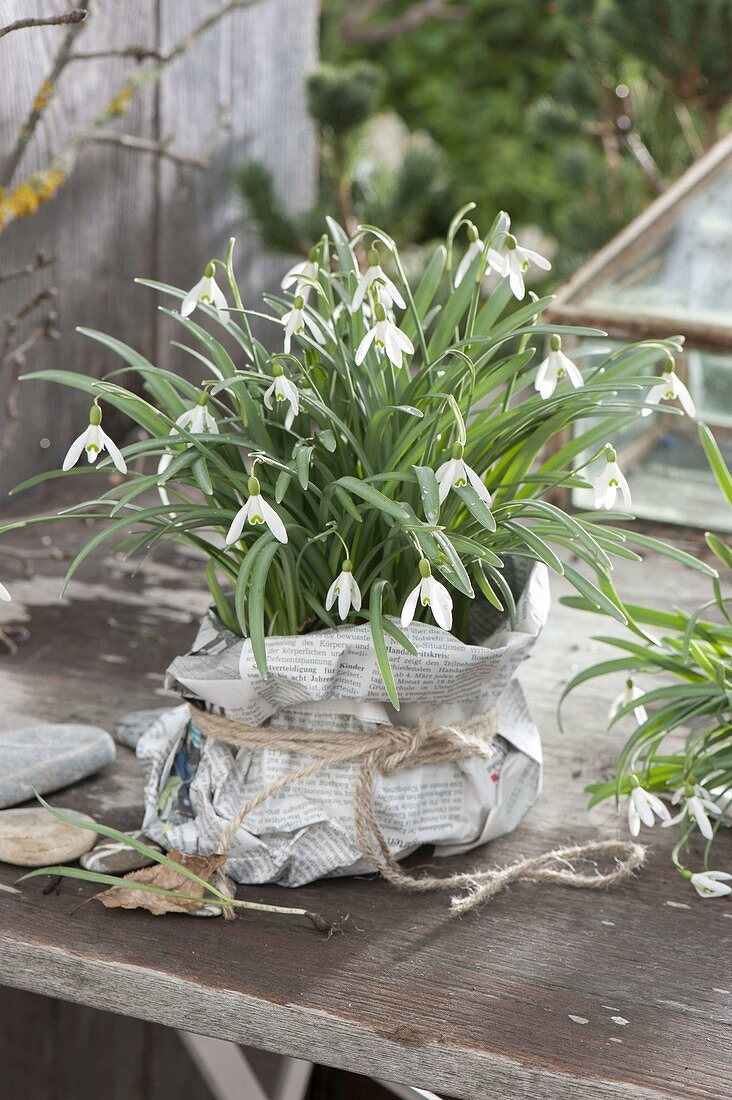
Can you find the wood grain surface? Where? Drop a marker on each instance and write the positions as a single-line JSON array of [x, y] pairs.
[[547, 992], [124, 214]]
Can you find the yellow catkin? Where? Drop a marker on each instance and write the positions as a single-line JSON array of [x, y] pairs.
[[121, 103], [25, 199], [44, 97]]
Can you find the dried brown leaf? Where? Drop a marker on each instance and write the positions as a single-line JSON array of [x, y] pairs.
[[165, 878]]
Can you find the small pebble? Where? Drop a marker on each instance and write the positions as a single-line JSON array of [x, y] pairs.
[[112, 857], [35, 838], [578, 1019]]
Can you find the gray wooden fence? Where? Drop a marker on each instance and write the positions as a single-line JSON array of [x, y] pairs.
[[124, 214]]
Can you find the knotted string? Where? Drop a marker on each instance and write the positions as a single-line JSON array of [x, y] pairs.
[[389, 750]]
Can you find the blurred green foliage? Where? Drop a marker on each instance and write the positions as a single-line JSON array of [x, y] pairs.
[[571, 114], [372, 169]]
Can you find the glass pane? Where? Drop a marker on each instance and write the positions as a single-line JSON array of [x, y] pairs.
[[710, 382], [686, 272], [662, 457]]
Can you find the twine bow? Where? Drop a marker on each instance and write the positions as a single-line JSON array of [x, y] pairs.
[[389, 750]]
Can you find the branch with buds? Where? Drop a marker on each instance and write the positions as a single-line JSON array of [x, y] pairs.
[[78, 15]]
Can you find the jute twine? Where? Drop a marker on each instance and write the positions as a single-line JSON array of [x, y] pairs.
[[389, 750]]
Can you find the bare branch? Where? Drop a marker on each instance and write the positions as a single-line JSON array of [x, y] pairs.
[[44, 96], [42, 185], [146, 145], [42, 260], [354, 28], [78, 15], [645, 159], [12, 355], [136, 53]]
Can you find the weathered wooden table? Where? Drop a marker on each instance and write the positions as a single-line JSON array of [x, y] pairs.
[[548, 992]]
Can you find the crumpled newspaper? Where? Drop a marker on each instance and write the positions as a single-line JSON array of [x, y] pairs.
[[325, 680]]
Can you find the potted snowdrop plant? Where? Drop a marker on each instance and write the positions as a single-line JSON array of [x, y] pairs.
[[369, 486], [675, 767]]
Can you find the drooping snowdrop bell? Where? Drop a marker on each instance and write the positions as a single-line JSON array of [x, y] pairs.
[[257, 512], [344, 589], [555, 367], [644, 808], [430, 593], [282, 389], [610, 482], [374, 275], [306, 269], [297, 321], [94, 440], [455, 473], [670, 388], [387, 337], [206, 292], [515, 262]]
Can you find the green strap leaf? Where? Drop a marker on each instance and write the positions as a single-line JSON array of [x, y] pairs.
[[429, 492], [376, 621]]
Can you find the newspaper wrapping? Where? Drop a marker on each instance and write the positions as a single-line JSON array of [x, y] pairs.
[[329, 680]]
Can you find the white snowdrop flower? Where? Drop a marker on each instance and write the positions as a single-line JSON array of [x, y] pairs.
[[611, 481], [642, 806], [475, 247], [307, 269], [386, 336], [670, 388], [697, 804], [430, 593], [296, 320], [455, 473], [196, 421], [94, 440], [374, 275], [256, 511], [625, 698], [515, 262], [345, 589], [4, 594], [711, 884], [556, 366], [282, 389], [206, 292]]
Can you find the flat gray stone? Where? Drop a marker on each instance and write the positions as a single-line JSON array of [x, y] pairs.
[[35, 838], [112, 857], [49, 756], [130, 727]]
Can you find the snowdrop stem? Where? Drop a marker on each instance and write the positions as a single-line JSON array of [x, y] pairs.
[[343, 543], [412, 308], [238, 301], [678, 847]]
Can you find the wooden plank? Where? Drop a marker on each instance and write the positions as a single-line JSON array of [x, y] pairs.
[[254, 64], [98, 226], [124, 215], [626, 324], [53, 1050], [491, 1004]]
